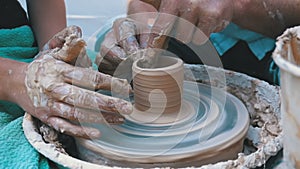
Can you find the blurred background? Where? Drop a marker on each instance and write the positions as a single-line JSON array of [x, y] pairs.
[[91, 15]]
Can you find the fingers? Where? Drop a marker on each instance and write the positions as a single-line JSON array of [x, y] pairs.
[[68, 46], [70, 30], [83, 60], [112, 118], [110, 51], [71, 49], [59, 39], [163, 23], [83, 115], [186, 23], [125, 33], [68, 128], [87, 99], [111, 55], [143, 12], [91, 79], [106, 67]]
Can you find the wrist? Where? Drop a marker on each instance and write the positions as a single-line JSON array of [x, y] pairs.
[[239, 8], [12, 75]]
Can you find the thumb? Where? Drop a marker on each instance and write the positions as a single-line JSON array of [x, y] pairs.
[[68, 46], [163, 23], [58, 40]]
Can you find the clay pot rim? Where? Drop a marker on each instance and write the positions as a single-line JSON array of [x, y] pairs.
[[282, 62], [172, 68]]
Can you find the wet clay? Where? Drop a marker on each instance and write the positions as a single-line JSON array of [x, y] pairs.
[[48, 74], [261, 99], [62, 90], [287, 57], [263, 103], [158, 89]]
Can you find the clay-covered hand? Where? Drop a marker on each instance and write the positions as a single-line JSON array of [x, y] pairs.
[[61, 95], [149, 23], [127, 40], [207, 15], [119, 44], [70, 47]]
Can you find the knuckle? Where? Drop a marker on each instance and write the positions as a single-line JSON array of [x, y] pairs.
[[118, 21], [62, 110], [97, 79], [104, 50], [52, 123], [99, 58]]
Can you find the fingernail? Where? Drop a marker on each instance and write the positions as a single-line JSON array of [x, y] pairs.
[[121, 119], [117, 120], [94, 134], [126, 108]]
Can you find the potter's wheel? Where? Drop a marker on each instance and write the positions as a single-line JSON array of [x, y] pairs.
[[205, 127]]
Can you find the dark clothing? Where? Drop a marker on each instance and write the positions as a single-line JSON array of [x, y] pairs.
[[12, 14], [239, 58]]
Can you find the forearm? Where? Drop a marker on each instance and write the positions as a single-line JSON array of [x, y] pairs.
[[269, 17], [12, 75], [47, 17]]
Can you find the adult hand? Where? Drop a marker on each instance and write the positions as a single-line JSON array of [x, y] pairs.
[[193, 21], [207, 15], [56, 92], [126, 41], [119, 43]]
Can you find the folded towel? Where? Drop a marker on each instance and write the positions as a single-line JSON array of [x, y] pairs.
[[15, 150], [226, 39], [21, 37], [17, 44], [259, 45]]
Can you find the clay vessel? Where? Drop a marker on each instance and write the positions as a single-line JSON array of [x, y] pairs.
[[158, 89], [287, 57]]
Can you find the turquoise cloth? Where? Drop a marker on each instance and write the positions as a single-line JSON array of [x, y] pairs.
[[15, 150], [259, 45], [17, 44], [226, 39]]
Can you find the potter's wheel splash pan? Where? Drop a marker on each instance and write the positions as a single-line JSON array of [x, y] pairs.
[[214, 129]]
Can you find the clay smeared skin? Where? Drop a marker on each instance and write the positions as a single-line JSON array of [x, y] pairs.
[[69, 47], [47, 76], [195, 20], [154, 3], [54, 84], [121, 43], [125, 36]]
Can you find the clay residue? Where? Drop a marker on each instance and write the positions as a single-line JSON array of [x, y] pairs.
[[287, 47], [263, 103], [275, 14], [295, 45], [125, 32], [51, 136]]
